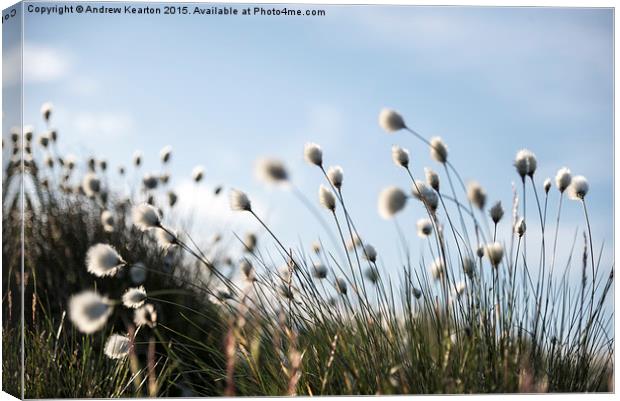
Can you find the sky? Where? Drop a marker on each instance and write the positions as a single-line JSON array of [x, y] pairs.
[[224, 91]]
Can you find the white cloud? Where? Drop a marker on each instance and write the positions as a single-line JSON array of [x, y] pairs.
[[110, 125], [40, 64]]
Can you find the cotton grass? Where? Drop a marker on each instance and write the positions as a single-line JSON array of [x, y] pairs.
[[391, 201], [425, 228], [102, 260], [134, 297], [117, 346], [313, 154], [495, 252], [563, 179], [146, 217], [400, 156], [271, 171], [107, 221], [439, 150], [145, 315], [578, 188], [335, 174], [239, 201], [91, 185], [525, 163], [89, 311], [391, 121], [327, 198]]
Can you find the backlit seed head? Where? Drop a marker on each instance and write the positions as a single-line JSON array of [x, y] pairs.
[[336, 176], [117, 346], [525, 163], [391, 121], [520, 227], [425, 194], [370, 253], [249, 241], [313, 154], [166, 238], [372, 274], [578, 188], [145, 216], [107, 221], [146, 315], [495, 253], [563, 179], [89, 311], [319, 271], [316, 247], [172, 198], [198, 173], [391, 201], [91, 185], [271, 171], [437, 268], [327, 198], [137, 158], [165, 154], [239, 201], [496, 212], [28, 132], [341, 286], [150, 181], [46, 111], [103, 260], [425, 228], [432, 178], [134, 297], [439, 150], [547, 185], [480, 251], [400, 156], [476, 195], [353, 242]]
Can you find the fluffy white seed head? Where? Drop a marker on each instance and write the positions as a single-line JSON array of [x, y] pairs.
[[134, 297], [239, 201], [563, 179], [525, 163], [91, 185], [150, 181], [137, 273], [353, 242], [102, 260], [336, 176], [89, 311], [391, 121], [547, 185], [107, 221], [249, 242], [437, 268], [271, 171], [46, 111], [165, 154], [520, 227], [370, 253], [313, 154], [341, 285], [166, 238], [137, 158], [319, 270], [391, 201], [496, 212], [400, 156], [198, 173], [476, 194], [425, 194], [425, 228], [578, 188], [327, 198], [117, 346], [145, 216], [495, 253], [432, 178], [145, 316], [439, 150]]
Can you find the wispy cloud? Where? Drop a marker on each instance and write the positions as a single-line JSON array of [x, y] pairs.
[[40, 64]]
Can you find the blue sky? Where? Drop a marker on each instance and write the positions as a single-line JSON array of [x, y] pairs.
[[223, 91]]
